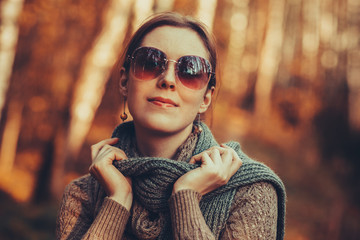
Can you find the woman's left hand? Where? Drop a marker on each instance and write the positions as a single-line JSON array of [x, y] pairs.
[[218, 165]]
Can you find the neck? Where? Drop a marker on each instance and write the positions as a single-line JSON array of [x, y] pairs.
[[154, 144]]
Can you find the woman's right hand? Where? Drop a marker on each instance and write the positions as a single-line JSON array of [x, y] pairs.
[[117, 186]]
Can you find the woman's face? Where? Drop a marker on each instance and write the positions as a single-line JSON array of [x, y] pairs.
[[163, 104]]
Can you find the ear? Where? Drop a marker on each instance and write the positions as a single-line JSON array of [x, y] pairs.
[[123, 82], [207, 100]]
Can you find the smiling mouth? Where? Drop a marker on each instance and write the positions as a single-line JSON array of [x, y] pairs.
[[162, 102]]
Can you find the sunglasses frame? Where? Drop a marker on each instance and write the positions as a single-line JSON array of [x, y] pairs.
[[167, 60]]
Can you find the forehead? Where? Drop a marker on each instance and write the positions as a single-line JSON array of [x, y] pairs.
[[176, 41]]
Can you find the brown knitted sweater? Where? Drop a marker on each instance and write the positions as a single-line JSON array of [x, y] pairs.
[[86, 213], [253, 214]]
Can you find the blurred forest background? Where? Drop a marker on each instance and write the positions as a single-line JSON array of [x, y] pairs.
[[290, 94]]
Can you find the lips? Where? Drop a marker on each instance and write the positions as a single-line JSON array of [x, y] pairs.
[[160, 101]]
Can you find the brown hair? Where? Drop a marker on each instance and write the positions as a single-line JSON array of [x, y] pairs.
[[176, 20]]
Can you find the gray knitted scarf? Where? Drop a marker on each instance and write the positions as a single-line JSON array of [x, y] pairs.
[[153, 178]]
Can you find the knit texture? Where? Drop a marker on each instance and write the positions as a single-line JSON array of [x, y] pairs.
[[185, 216], [86, 213], [153, 179]]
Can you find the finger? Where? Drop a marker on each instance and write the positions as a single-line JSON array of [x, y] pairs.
[[236, 164], [112, 153], [219, 148], [232, 151], [215, 156], [109, 148], [109, 141], [226, 147], [98, 146], [102, 164], [103, 151], [206, 159], [107, 176], [202, 158], [227, 158], [238, 161], [196, 158], [235, 157], [120, 154], [231, 159]]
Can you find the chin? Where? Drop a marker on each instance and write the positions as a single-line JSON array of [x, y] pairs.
[[163, 125]]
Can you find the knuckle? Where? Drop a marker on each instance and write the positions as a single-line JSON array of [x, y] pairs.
[[212, 149], [201, 155], [226, 151], [230, 150], [238, 160], [95, 167], [216, 150], [98, 165], [91, 169], [222, 179]]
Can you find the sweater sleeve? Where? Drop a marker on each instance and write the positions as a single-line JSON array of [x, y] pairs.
[[253, 214], [186, 217], [76, 221]]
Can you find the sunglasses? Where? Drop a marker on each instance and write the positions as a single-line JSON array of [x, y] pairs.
[[148, 63]]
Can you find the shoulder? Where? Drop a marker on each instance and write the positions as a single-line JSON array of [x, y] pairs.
[[259, 193], [84, 191], [80, 183], [81, 188], [253, 213]]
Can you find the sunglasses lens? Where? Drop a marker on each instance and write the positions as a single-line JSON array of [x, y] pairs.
[[193, 71], [148, 63]]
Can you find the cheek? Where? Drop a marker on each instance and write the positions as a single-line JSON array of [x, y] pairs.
[[193, 100], [135, 92], [192, 96]]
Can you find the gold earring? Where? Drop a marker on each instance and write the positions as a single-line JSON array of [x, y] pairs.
[[124, 116], [197, 128]]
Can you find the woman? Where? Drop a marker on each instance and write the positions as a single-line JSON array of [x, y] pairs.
[[163, 175]]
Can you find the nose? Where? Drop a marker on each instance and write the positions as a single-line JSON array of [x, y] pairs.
[[168, 78]]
